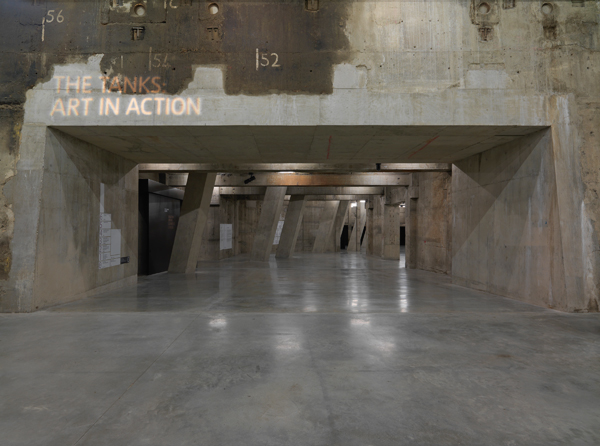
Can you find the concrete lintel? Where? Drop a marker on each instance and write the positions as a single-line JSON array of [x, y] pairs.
[[194, 214], [311, 191], [395, 195], [267, 223], [291, 226], [294, 167], [299, 179], [337, 197]]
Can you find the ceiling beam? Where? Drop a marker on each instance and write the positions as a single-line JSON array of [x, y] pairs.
[[300, 179], [294, 167], [302, 191]]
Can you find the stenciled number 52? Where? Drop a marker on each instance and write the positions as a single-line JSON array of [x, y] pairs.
[[262, 60]]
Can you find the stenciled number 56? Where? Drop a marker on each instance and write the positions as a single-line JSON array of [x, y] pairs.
[[50, 16]]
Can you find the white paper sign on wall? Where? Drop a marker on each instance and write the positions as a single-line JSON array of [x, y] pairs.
[[226, 236], [278, 232], [109, 249]]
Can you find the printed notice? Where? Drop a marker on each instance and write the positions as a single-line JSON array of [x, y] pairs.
[[278, 232], [226, 237], [109, 249]]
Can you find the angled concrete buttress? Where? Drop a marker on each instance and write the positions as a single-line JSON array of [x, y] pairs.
[[338, 226], [325, 226], [194, 213], [291, 226], [267, 223], [359, 226]]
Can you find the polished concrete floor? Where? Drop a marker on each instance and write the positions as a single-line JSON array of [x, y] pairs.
[[323, 349]]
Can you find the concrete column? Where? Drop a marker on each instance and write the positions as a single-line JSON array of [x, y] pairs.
[[338, 226], [369, 223], [391, 232], [291, 226], [325, 225], [411, 233], [378, 226], [267, 223], [359, 226], [194, 213], [411, 223]]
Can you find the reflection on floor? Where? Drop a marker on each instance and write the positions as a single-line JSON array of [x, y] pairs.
[[320, 349]]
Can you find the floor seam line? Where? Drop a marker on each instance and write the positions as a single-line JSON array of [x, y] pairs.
[[135, 380]]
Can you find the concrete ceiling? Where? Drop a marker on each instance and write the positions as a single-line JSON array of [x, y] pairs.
[[297, 144]]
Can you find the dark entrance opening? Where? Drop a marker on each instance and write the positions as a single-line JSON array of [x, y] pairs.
[[159, 210], [344, 239]]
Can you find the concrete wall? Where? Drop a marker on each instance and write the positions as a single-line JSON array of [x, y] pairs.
[[10, 132], [506, 231], [241, 212], [310, 225], [375, 225], [246, 217], [67, 215], [224, 213]]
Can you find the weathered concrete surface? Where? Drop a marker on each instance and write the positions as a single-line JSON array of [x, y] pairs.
[[267, 223], [506, 213], [192, 221], [326, 225], [291, 226], [58, 259], [433, 241], [10, 132]]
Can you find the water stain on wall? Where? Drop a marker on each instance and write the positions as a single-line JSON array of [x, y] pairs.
[[264, 47]]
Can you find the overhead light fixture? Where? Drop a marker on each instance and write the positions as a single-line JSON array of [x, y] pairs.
[[353, 205], [402, 205], [251, 179], [363, 201]]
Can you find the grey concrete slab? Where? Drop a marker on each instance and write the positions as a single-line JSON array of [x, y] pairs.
[[319, 349], [259, 144]]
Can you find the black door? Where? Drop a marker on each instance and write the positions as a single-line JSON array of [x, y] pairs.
[[344, 238]]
